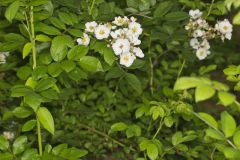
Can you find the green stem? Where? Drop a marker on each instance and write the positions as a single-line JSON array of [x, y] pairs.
[[181, 69], [210, 9], [34, 56], [104, 135], [34, 52], [39, 137], [159, 128], [93, 2]]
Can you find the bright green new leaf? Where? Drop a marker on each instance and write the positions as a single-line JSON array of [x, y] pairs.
[[226, 98], [231, 153], [4, 144], [208, 119], [118, 127], [19, 144], [186, 83], [46, 119], [228, 124], [26, 49], [43, 38], [204, 92], [215, 134], [152, 151], [12, 10], [29, 125], [236, 139]]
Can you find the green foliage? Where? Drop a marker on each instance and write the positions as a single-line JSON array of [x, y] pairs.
[[167, 105]]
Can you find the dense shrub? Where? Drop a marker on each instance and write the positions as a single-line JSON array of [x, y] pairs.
[[111, 79]]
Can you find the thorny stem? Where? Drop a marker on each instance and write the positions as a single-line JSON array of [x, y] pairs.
[[34, 54], [104, 135]]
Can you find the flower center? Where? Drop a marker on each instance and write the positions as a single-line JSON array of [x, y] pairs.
[[134, 29], [120, 20], [91, 28], [225, 28], [102, 32], [126, 58]]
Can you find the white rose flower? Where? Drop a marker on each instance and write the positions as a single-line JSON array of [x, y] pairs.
[[198, 33], [195, 13], [138, 52], [133, 19], [102, 31], [194, 43], [85, 40], [202, 53], [228, 36], [121, 46], [127, 59], [135, 28], [119, 21], [3, 56], [8, 135], [90, 26], [134, 40], [205, 44], [224, 27]]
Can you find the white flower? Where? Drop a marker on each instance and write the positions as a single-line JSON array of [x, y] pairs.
[[138, 52], [3, 56], [228, 36], [90, 26], [135, 28], [195, 13], [194, 43], [202, 53], [134, 40], [224, 27], [198, 33], [8, 135], [119, 21], [205, 44], [102, 31], [127, 59], [121, 46], [85, 40], [133, 19]]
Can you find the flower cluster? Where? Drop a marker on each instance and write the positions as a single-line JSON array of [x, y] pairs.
[[201, 32], [8, 135], [122, 34], [3, 56]]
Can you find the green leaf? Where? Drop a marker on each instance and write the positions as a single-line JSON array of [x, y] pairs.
[[162, 9], [6, 156], [29, 154], [118, 127], [59, 47], [204, 92], [90, 64], [26, 49], [228, 124], [43, 38], [231, 153], [73, 153], [19, 144], [68, 65], [47, 29], [208, 119], [236, 19], [29, 125], [177, 138], [236, 139], [108, 55], [45, 84], [33, 100], [46, 119], [20, 90], [22, 112], [65, 18], [4, 144], [54, 69], [176, 16], [226, 98], [57, 23], [168, 121], [24, 72], [133, 130], [77, 52], [152, 151], [186, 83], [214, 134], [134, 82], [12, 10]]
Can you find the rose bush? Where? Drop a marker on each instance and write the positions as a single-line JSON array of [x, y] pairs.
[[117, 80]]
